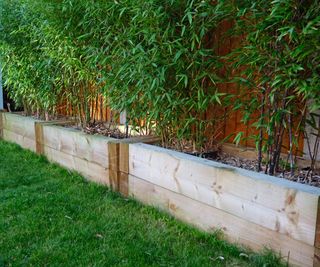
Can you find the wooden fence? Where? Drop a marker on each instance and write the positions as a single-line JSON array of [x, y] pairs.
[[253, 209]]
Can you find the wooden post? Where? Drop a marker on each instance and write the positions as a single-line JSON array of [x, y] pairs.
[[114, 165], [39, 137], [119, 161], [38, 129], [124, 169]]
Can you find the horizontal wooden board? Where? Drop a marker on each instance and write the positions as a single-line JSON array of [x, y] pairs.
[[19, 124], [276, 204], [88, 147], [21, 140], [210, 219], [89, 170]]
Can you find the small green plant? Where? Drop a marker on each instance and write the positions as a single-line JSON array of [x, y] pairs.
[[286, 166]]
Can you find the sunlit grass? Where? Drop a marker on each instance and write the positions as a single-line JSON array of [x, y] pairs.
[[52, 217]]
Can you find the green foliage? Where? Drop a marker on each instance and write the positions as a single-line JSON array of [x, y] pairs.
[[153, 59], [157, 60], [25, 66], [41, 62], [283, 45], [281, 56]]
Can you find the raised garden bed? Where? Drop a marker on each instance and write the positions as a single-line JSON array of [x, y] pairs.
[[250, 208]]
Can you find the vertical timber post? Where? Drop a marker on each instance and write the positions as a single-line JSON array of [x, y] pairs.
[[114, 165], [124, 169], [39, 135], [118, 152], [39, 138]]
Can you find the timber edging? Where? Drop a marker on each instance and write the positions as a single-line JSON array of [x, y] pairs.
[[253, 209]]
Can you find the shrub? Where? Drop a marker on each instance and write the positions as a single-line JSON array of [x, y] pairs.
[[281, 56]]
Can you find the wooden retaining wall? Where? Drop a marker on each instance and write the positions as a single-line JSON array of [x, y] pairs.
[[18, 129], [89, 155], [250, 208], [77, 151]]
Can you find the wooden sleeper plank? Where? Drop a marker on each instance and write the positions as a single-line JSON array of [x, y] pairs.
[[124, 169], [113, 152], [280, 206], [210, 219]]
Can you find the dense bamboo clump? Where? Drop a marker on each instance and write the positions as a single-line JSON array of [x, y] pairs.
[[158, 61]]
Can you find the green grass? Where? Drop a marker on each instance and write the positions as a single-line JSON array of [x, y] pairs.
[[52, 217]]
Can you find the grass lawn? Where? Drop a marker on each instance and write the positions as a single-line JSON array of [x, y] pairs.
[[52, 217]]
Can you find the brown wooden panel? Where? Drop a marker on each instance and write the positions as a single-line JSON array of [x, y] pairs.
[[124, 168], [39, 138], [113, 150]]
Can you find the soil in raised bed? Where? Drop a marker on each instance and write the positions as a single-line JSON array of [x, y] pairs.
[[301, 175], [101, 128], [110, 129], [106, 129]]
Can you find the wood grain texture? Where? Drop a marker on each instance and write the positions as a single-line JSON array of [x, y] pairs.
[[90, 170], [21, 140], [250, 208], [273, 203], [124, 158], [210, 219], [39, 138], [18, 124], [113, 150], [124, 169], [317, 235], [124, 184], [88, 147], [118, 158]]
